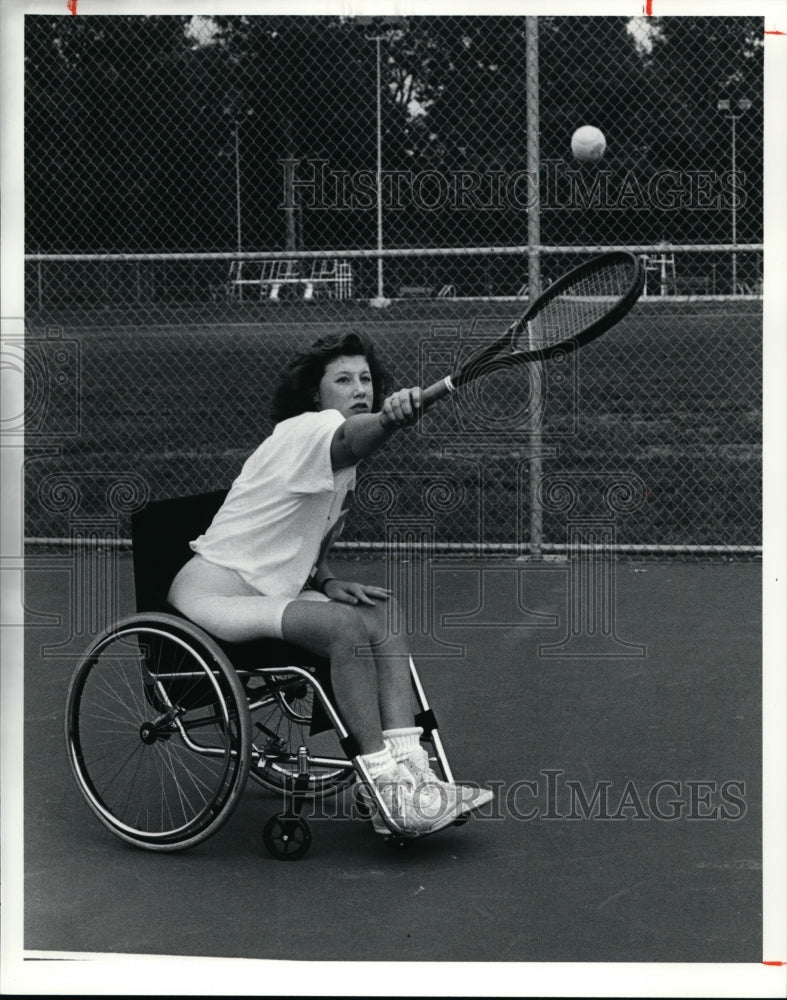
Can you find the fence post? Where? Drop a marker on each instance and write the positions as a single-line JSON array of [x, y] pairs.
[[534, 275]]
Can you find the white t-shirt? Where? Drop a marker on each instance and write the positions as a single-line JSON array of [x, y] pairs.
[[284, 509]]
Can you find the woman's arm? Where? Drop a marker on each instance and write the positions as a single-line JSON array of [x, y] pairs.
[[321, 574], [362, 435]]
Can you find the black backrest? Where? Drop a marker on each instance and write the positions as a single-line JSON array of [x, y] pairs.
[[160, 534]]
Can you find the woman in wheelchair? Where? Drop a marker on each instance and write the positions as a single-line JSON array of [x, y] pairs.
[[261, 570]]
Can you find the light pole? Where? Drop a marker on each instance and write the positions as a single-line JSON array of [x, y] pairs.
[[380, 295], [237, 188], [734, 109], [387, 23]]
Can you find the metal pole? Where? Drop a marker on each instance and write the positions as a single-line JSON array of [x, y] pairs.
[[734, 108], [379, 175], [534, 276], [237, 188], [734, 215]]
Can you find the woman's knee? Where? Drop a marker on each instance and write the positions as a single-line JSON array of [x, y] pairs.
[[348, 629], [326, 628], [381, 620]]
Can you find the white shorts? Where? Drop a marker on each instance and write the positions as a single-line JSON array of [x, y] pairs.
[[219, 600]]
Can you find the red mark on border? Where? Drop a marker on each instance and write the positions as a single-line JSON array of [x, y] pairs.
[[648, 8], [774, 963], [766, 32], [71, 5]]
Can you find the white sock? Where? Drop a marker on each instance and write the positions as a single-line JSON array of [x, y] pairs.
[[379, 762], [404, 743]]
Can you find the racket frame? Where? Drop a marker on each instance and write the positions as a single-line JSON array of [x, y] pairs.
[[502, 352]]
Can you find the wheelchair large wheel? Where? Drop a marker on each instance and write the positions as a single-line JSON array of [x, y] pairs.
[[281, 718], [157, 732]]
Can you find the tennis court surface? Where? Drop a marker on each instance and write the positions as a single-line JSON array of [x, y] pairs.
[[627, 824]]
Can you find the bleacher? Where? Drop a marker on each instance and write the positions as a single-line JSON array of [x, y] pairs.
[[267, 279]]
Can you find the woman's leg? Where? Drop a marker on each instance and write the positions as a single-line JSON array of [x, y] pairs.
[[373, 692], [392, 660], [219, 600], [340, 633], [370, 666]]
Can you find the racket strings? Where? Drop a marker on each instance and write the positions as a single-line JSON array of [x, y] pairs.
[[578, 306]]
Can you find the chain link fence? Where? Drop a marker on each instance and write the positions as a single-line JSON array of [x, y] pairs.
[[206, 194]]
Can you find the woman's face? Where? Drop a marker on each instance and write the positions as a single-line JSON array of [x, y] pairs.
[[346, 386]]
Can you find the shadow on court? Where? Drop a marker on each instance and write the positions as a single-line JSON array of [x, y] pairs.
[[627, 774]]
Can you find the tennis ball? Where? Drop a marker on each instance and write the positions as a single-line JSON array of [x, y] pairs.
[[588, 144]]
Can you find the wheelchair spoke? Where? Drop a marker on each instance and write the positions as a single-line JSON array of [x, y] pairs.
[[154, 737], [281, 722]]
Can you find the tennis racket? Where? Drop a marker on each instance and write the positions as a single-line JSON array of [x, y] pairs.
[[574, 310]]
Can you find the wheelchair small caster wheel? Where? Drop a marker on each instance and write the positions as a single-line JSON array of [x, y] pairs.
[[287, 839]]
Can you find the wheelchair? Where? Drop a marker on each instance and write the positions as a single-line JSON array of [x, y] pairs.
[[165, 723]]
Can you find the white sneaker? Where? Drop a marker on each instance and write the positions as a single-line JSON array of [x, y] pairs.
[[470, 797], [418, 765], [415, 808]]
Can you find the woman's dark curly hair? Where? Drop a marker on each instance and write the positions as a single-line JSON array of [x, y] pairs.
[[295, 391]]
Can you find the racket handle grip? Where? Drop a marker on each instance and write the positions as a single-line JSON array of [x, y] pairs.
[[439, 390]]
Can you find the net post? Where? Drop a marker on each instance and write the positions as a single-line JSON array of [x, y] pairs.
[[534, 273]]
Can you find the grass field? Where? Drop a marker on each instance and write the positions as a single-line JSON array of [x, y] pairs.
[[667, 405]]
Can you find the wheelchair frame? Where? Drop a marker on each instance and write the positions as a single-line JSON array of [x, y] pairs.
[[160, 726]]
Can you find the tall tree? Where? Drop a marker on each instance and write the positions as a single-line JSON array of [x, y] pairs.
[[132, 125], [101, 154]]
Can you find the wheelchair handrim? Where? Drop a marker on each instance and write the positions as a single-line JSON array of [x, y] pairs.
[[211, 810]]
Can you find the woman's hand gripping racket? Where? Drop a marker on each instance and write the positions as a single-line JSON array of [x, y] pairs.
[[574, 310]]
